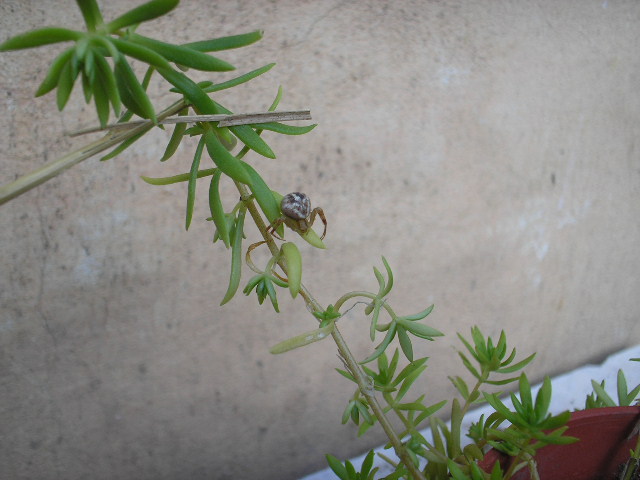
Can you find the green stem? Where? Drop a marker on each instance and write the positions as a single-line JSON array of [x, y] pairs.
[[348, 296], [46, 172], [476, 388], [363, 381]]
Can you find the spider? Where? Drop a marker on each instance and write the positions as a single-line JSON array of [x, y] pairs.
[[297, 214]]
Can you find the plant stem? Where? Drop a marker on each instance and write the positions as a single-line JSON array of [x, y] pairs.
[[363, 380], [46, 172]]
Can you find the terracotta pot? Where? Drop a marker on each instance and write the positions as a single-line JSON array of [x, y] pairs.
[[604, 445]]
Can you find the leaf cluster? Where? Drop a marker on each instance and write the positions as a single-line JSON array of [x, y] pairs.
[[348, 471], [398, 326], [600, 398], [531, 424], [100, 57]]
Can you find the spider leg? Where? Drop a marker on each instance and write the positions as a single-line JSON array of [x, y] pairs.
[[318, 211], [271, 229]]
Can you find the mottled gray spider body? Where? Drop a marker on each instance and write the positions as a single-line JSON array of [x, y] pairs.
[[297, 214]]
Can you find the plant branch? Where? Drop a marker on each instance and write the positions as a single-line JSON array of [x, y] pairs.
[[363, 381], [46, 172]]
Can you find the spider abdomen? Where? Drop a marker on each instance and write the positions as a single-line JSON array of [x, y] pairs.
[[296, 205]]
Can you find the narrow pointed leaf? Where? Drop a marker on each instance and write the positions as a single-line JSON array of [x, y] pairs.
[[303, 339], [39, 37], [419, 315], [217, 211], [193, 176], [604, 396], [226, 43], [293, 260], [51, 80], [420, 329], [234, 82], [101, 100], [103, 71], [236, 257], [525, 392], [185, 56], [90, 13], [517, 366], [383, 345], [198, 98], [65, 85], [263, 194], [143, 13], [622, 389], [346, 375], [183, 177], [405, 343], [389, 282], [285, 129], [132, 94], [176, 138], [543, 400], [227, 163]]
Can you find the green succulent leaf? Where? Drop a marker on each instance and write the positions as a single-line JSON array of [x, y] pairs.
[[198, 98], [303, 339], [383, 345], [263, 195], [264, 288], [186, 56], [346, 375], [461, 386], [337, 467], [405, 343], [176, 138], [517, 366], [327, 315], [419, 329], [193, 176], [236, 256], [51, 80], [143, 13], [39, 37], [132, 93], [248, 135], [108, 79], [65, 84], [419, 315], [227, 163], [141, 53], [226, 43], [101, 100], [313, 239], [602, 394], [183, 177], [543, 400], [234, 82], [293, 260], [408, 381], [285, 129], [216, 208], [90, 13]]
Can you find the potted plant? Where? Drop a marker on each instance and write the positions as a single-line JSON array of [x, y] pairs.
[[606, 436], [98, 60]]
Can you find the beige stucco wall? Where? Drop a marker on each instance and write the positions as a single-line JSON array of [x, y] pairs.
[[488, 149]]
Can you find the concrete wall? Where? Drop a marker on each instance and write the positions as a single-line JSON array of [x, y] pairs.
[[488, 149]]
